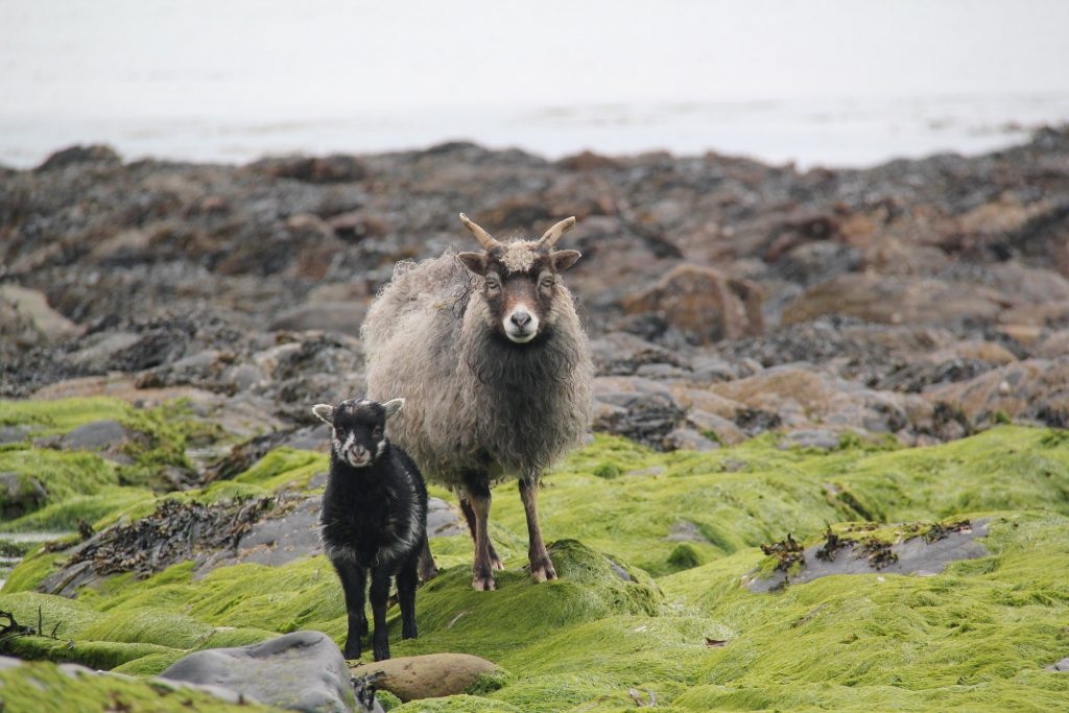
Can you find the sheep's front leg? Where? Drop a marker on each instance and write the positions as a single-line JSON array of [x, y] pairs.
[[469, 516], [379, 594], [478, 496], [541, 564], [353, 582]]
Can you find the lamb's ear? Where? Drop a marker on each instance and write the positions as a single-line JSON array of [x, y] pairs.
[[476, 262], [393, 407], [325, 413], [563, 259]]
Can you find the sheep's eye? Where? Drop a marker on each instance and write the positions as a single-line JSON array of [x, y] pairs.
[[492, 284], [339, 434], [548, 283], [376, 432]]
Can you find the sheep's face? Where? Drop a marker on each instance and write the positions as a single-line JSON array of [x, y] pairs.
[[520, 280], [359, 436]]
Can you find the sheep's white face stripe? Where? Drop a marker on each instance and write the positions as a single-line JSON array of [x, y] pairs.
[[518, 330], [353, 453]]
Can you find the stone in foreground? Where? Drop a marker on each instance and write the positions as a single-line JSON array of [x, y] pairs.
[[302, 671]]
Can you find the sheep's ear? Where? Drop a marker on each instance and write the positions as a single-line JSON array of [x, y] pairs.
[[563, 259], [325, 413], [476, 262], [393, 407]]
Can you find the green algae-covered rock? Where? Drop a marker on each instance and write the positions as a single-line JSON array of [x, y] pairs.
[[652, 602], [44, 687]]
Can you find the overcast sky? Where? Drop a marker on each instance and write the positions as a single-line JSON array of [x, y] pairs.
[[241, 57]]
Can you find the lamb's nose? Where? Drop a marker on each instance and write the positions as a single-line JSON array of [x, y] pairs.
[[521, 319]]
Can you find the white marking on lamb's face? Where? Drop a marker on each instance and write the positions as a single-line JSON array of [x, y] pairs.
[[521, 324], [354, 454]]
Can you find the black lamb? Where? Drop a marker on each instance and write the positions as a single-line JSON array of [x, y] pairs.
[[373, 518]]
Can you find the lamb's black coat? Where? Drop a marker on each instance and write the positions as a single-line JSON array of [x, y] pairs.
[[373, 521]]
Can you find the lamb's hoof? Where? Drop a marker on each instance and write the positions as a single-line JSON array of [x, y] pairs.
[[496, 564], [352, 652]]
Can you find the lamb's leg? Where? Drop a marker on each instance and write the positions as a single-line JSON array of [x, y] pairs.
[[407, 580], [478, 495], [469, 516], [353, 582], [541, 564], [379, 594]]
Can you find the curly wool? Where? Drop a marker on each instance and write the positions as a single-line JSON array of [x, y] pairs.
[[473, 401]]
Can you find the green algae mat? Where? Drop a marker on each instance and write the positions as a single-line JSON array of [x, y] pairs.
[[656, 604]]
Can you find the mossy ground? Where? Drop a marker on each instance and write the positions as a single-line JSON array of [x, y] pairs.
[[683, 631]]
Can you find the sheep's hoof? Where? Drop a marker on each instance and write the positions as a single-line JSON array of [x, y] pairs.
[[483, 584], [541, 574], [496, 564]]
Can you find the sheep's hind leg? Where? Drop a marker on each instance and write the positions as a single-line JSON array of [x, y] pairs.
[[428, 570], [469, 516], [407, 579], [541, 565], [478, 494]]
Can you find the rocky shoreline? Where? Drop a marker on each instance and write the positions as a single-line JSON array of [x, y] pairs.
[[919, 300], [751, 522]]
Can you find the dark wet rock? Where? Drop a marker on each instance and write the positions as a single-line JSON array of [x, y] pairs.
[[14, 434], [923, 555], [1059, 666], [302, 671], [1034, 390], [818, 439], [335, 168], [27, 318], [98, 436], [703, 304], [442, 519], [243, 288], [637, 409], [93, 154], [20, 495], [175, 532], [345, 317], [413, 678]]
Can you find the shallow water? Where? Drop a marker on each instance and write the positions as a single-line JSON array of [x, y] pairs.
[[8, 563]]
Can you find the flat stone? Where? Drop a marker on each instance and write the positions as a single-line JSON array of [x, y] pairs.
[[431, 676], [442, 519], [1060, 666], [914, 556], [302, 671], [13, 434], [98, 436]]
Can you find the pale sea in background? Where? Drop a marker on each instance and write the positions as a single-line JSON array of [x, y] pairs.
[[821, 82]]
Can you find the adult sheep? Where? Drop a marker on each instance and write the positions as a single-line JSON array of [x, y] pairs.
[[489, 355]]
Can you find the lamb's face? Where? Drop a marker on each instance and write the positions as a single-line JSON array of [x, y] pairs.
[[520, 282], [359, 435]]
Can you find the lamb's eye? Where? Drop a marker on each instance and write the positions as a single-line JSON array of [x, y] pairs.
[[376, 432], [339, 434]]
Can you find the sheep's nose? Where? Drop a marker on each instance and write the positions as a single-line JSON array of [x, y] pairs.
[[521, 319]]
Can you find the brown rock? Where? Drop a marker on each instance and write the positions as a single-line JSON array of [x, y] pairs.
[[431, 676], [704, 304], [895, 300]]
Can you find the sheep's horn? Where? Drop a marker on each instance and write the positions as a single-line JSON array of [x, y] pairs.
[[553, 234], [485, 239]]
